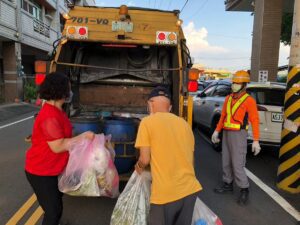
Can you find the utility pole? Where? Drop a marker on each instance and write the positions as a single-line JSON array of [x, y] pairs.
[[288, 176]]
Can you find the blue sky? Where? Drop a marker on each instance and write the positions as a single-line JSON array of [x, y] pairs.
[[216, 38]]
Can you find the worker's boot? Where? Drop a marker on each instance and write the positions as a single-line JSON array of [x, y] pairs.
[[225, 188], [244, 195]]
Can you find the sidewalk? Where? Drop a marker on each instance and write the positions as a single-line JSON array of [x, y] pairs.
[[8, 111]]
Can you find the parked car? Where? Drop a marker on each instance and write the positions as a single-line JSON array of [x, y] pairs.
[[201, 86], [270, 100], [208, 104], [270, 104]]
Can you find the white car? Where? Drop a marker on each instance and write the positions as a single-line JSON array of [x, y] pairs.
[[270, 101]]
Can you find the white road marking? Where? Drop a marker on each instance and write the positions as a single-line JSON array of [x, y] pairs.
[[269, 191], [274, 195], [19, 121]]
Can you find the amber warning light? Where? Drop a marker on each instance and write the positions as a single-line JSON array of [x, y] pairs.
[[166, 37], [193, 77], [77, 32], [123, 10], [40, 68]]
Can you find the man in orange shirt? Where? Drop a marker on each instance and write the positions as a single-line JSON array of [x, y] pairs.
[[238, 108], [166, 142]]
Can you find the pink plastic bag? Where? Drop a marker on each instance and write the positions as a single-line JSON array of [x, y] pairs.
[[90, 170], [203, 215]]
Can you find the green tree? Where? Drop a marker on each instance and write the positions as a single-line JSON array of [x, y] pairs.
[[286, 28]]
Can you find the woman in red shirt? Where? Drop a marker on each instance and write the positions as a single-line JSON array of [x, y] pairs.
[[51, 140]]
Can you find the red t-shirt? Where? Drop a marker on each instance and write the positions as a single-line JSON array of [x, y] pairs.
[[50, 124]]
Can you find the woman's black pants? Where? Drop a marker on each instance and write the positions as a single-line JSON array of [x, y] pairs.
[[48, 196]]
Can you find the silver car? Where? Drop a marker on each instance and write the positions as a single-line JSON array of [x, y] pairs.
[[208, 104]]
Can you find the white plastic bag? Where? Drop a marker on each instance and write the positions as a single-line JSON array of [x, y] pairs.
[[90, 170], [133, 204], [203, 215]]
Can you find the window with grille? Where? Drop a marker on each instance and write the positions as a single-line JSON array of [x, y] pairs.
[[33, 8]]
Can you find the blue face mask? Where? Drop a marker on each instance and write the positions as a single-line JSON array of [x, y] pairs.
[[69, 99]]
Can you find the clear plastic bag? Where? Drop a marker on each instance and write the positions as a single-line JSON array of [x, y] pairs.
[[202, 215], [133, 204], [90, 170]]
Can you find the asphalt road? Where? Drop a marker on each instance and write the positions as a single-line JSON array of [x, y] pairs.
[[15, 191]]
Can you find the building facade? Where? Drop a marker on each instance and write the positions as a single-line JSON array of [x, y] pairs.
[[28, 29], [266, 32]]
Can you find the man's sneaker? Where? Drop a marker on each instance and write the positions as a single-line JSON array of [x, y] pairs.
[[244, 196], [225, 188]]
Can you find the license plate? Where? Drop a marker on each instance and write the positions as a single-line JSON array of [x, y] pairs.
[[120, 25], [277, 117]]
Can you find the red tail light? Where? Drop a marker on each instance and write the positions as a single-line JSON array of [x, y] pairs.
[[161, 36], [261, 108], [82, 31], [39, 78], [193, 86]]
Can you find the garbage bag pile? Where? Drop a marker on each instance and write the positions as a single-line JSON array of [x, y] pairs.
[[202, 215], [90, 170], [133, 204]]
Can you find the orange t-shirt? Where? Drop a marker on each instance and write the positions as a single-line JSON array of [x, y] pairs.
[[171, 143], [248, 106]]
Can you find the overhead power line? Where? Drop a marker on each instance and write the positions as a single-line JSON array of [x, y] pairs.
[[224, 58], [199, 9], [184, 5], [227, 36]]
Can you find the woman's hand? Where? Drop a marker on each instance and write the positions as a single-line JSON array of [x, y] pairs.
[[88, 135], [64, 144]]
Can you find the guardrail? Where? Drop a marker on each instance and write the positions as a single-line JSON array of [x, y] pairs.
[[69, 3], [41, 28]]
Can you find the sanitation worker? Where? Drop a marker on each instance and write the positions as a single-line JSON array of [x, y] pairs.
[[166, 142], [238, 108]]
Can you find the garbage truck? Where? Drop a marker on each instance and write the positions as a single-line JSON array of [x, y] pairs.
[[114, 56]]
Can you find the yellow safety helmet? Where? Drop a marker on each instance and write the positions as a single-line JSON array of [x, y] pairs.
[[241, 76]]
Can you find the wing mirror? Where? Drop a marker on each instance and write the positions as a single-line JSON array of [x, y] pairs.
[[201, 95]]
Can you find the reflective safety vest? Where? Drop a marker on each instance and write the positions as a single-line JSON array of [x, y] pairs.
[[229, 123]]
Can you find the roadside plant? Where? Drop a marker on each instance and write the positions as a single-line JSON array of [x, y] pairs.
[[30, 91]]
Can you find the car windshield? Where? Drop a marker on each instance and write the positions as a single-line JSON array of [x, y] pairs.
[[200, 87], [266, 96], [209, 91], [222, 90]]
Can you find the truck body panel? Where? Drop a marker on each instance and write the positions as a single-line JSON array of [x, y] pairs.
[[114, 67]]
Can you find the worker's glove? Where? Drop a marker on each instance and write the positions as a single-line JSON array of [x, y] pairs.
[[255, 147], [215, 137]]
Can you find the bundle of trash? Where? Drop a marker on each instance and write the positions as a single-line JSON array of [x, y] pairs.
[[90, 170], [133, 204]]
